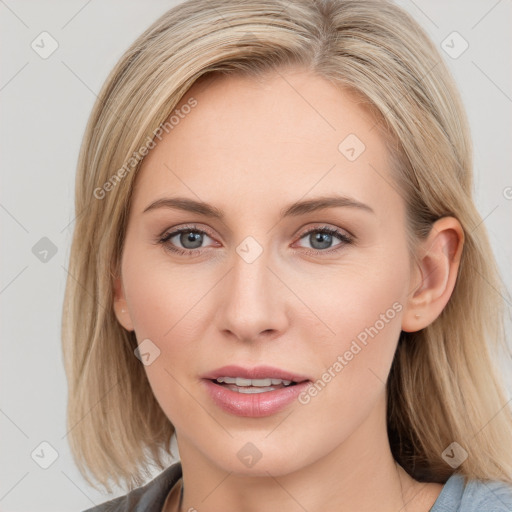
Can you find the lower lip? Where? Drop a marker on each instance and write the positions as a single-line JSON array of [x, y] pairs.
[[254, 405]]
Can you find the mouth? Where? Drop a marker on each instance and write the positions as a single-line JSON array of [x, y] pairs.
[[251, 386], [254, 392]]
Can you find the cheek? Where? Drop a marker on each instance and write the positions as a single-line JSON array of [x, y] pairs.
[[167, 307], [363, 309], [355, 298], [164, 307], [162, 296]]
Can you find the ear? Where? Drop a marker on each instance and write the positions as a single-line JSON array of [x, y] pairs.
[[435, 275], [120, 305]]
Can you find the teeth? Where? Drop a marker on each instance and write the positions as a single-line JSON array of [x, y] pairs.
[[241, 382], [279, 381], [247, 390]]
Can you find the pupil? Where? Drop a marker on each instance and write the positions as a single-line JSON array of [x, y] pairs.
[[191, 237], [323, 238]]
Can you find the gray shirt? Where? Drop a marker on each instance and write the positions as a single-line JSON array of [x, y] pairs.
[[476, 496]]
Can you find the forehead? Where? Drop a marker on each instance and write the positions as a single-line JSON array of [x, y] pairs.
[[284, 134]]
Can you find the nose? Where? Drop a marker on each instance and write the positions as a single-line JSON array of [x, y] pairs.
[[253, 300]]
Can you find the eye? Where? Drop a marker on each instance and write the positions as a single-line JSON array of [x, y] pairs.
[[321, 239], [189, 240], [189, 237]]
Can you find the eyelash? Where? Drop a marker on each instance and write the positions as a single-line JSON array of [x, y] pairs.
[[164, 240]]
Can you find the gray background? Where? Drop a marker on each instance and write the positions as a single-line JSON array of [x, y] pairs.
[[45, 104]]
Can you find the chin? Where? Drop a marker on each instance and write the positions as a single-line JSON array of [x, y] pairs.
[[248, 458]]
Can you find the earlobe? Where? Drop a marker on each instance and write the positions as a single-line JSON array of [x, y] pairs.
[[120, 305], [439, 258]]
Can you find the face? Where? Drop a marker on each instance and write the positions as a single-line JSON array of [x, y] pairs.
[[305, 294]]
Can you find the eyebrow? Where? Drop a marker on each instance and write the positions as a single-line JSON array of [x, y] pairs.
[[292, 210]]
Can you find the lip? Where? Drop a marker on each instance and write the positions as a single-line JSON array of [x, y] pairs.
[[257, 372], [255, 405]]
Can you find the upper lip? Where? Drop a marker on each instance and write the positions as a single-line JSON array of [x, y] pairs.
[[255, 372]]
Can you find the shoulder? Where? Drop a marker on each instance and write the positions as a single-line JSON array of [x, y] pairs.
[[150, 496], [459, 495], [488, 495]]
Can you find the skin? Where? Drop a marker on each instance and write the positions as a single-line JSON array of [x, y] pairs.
[[251, 148]]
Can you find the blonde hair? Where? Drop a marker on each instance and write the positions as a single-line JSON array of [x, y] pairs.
[[444, 384]]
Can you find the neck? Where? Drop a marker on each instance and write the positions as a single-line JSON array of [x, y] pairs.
[[359, 474]]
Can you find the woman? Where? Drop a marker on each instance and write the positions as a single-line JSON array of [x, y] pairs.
[[276, 258]]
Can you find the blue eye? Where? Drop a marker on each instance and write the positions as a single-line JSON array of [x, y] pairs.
[[189, 237], [323, 238], [191, 240]]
